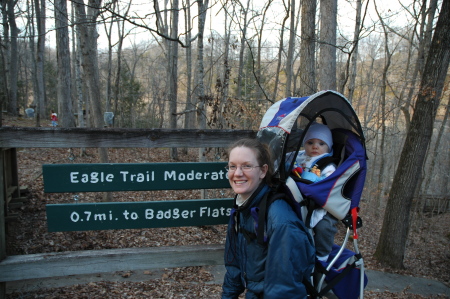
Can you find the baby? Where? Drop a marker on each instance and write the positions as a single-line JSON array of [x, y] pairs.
[[318, 143]]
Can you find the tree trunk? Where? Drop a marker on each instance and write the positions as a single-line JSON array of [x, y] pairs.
[[89, 61], [118, 74], [64, 94], [78, 81], [88, 44], [41, 110], [13, 59], [327, 46], [109, 76], [431, 174], [5, 58], [422, 52], [289, 59], [173, 74], [392, 244], [200, 74], [226, 70], [189, 116], [200, 90], [382, 157], [308, 49], [280, 55], [243, 29], [354, 53]]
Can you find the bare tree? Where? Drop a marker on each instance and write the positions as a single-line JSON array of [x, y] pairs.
[[435, 154], [392, 244], [351, 74], [280, 53], [173, 73], [243, 26], [424, 35], [258, 68], [39, 8], [77, 86], [63, 57], [308, 48], [224, 84], [199, 80], [383, 113], [12, 57], [117, 81], [109, 76], [86, 25], [189, 116], [290, 55], [327, 45], [200, 73]]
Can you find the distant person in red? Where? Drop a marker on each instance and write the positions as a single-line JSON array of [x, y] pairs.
[[54, 118]]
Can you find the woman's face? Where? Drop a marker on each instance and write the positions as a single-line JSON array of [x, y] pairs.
[[245, 182]]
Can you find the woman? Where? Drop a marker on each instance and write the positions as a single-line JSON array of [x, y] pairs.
[[276, 269]]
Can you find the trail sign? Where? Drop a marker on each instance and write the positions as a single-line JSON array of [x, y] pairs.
[[127, 215], [134, 177]]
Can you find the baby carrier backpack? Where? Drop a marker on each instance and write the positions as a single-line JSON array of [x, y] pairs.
[[283, 128]]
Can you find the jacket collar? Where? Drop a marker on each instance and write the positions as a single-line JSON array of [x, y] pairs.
[[254, 199]]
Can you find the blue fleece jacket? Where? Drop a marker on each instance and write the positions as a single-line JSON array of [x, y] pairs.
[[274, 270]]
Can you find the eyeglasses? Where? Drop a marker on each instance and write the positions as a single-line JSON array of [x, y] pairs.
[[244, 168]]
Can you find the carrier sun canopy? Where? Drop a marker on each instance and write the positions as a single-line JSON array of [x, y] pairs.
[[291, 117]]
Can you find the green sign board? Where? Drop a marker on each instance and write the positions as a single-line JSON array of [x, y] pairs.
[[127, 215], [134, 177]]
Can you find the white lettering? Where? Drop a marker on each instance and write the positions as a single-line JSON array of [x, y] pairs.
[[140, 178], [84, 178], [149, 213], [203, 211], [109, 177], [73, 177], [94, 177], [124, 175], [170, 175], [176, 213], [181, 177]]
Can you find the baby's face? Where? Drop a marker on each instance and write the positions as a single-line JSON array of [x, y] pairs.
[[315, 147]]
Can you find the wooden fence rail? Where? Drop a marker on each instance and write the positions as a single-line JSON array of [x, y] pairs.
[[23, 137]]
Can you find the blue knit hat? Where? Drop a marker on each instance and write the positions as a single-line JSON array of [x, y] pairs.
[[319, 131]]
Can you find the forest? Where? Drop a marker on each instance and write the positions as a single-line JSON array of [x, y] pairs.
[[220, 64]]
